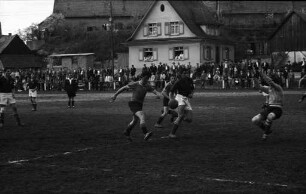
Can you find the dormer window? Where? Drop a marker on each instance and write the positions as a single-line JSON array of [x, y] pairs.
[[152, 29], [174, 28]]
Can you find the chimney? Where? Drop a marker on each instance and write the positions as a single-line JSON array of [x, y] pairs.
[[0, 30]]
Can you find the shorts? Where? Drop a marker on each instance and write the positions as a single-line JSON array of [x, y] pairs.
[[6, 99], [71, 94], [166, 101], [32, 93], [135, 106], [183, 101], [276, 110]]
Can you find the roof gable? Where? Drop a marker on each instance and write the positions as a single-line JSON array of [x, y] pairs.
[[289, 15], [193, 14], [13, 45]]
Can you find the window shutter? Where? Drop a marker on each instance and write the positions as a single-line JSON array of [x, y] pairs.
[[155, 54], [167, 28], [171, 53], [158, 29], [181, 27], [145, 30], [140, 54], [186, 53]]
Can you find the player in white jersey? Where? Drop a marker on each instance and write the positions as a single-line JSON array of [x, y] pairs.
[[166, 110], [274, 105]]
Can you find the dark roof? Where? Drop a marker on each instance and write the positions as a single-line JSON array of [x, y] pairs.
[[5, 40], [21, 61], [100, 8], [289, 15], [194, 14]]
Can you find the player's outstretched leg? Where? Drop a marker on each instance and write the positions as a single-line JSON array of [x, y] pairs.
[[1, 117], [267, 125], [161, 118], [302, 98], [173, 115], [129, 128], [147, 134]]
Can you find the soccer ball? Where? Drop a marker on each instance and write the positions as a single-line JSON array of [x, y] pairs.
[[173, 104]]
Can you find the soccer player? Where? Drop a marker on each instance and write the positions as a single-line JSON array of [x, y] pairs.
[[7, 96], [166, 110], [71, 87], [32, 86], [302, 98], [184, 90], [140, 89], [274, 106]]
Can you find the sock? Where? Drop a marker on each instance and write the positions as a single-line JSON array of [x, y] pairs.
[[69, 103], [35, 106], [267, 124], [143, 128], [2, 118], [160, 119], [17, 119], [174, 129]]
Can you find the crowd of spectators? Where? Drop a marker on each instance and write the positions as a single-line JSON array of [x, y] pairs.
[[224, 76]]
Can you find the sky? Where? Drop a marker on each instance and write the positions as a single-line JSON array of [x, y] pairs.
[[20, 14]]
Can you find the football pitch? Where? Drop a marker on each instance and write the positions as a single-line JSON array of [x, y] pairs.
[[83, 150]]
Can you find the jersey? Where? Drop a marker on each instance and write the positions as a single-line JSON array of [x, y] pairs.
[[275, 92], [139, 91], [167, 88], [33, 84], [6, 84]]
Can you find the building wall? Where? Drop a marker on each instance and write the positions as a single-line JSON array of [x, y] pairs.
[[163, 55]]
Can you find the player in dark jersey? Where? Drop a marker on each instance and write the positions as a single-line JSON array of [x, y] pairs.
[[183, 89], [166, 110], [71, 88], [140, 89], [32, 86], [7, 96]]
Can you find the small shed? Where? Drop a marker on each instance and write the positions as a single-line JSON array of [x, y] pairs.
[[14, 54], [72, 61]]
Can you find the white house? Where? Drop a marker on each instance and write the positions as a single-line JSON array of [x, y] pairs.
[[178, 32]]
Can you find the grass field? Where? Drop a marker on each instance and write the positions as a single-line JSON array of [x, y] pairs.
[[82, 150]]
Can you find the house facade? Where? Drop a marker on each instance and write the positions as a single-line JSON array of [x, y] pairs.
[[176, 33]]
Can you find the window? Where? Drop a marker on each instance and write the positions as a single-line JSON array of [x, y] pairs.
[[152, 29], [207, 53], [148, 54], [174, 28], [162, 8], [91, 28], [178, 53]]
